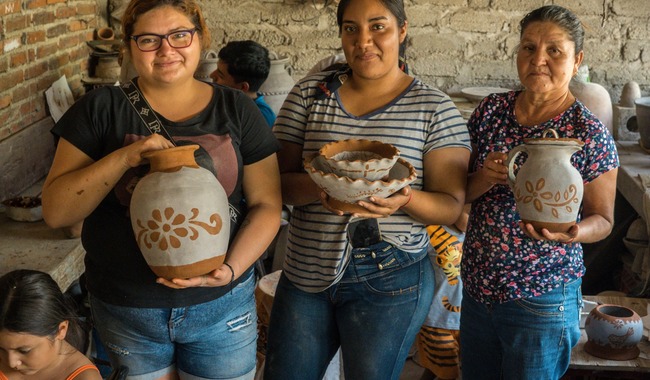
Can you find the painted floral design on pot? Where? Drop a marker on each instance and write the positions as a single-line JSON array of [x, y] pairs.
[[613, 332], [547, 188], [166, 228], [180, 215]]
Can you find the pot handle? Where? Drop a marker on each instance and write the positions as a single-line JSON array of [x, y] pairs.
[[211, 54], [552, 131], [510, 162]]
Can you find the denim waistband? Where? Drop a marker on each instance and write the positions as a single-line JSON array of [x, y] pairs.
[[378, 259]]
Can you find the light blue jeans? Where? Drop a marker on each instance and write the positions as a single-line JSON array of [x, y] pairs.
[[526, 339], [372, 314], [212, 340]]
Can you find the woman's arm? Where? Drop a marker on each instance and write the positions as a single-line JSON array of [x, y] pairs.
[[493, 172], [443, 195], [442, 198], [76, 184], [262, 192], [298, 189]]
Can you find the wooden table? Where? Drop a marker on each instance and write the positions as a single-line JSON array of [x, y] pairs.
[[583, 363]]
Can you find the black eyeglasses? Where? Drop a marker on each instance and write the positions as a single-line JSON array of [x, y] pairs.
[[177, 39]]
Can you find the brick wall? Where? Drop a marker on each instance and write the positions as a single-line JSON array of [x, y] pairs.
[[40, 40], [453, 44]]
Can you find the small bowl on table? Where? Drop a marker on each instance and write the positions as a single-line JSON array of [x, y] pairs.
[[24, 209], [371, 160]]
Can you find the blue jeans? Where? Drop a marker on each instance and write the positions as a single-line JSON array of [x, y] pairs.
[[525, 339], [212, 340], [372, 314]]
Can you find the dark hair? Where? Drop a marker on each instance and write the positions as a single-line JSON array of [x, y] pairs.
[[396, 7], [560, 16], [188, 7], [247, 61], [32, 303]]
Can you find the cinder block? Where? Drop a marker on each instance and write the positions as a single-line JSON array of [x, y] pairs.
[[621, 117]]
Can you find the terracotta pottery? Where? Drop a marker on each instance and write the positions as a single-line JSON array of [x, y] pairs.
[[206, 66], [345, 191], [180, 215], [547, 188], [613, 332], [353, 158], [279, 83]]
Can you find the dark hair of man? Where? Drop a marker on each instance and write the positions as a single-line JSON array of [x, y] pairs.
[[247, 61]]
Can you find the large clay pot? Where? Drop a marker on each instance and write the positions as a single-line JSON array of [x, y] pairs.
[[180, 215], [596, 98], [613, 332], [279, 82], [206, 66], [547, 188]]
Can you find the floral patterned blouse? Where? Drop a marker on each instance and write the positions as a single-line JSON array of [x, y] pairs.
[[500, 263]]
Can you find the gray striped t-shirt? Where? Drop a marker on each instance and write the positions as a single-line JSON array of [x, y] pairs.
[[418, 121]]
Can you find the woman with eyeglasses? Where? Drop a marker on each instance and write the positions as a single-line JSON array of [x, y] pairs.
[[198, 328]]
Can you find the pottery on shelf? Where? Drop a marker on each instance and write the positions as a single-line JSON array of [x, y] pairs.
[[279, 83], [24, 209], [613, 332], [547, 188], [641, 121], [345, 191], [353, 158], [180, 215], [207, 65]]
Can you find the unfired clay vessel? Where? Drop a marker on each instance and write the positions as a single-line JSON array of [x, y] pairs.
[[354, 158], [180, 215], [547, 188], [345, 191]]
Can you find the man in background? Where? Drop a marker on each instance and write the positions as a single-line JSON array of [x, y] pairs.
[[245, 65]]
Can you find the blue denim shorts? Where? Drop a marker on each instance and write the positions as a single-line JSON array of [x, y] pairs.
[[212, 340], [525, 339]]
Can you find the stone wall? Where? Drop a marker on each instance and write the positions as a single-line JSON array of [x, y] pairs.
[[453, 44]]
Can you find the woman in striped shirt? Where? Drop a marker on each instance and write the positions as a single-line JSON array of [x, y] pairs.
[[368, 298]]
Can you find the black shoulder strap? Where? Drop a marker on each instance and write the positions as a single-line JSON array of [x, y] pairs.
[[142, 108]]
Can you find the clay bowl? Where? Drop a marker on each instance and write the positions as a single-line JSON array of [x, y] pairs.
[[353, 158], [345, 191], [24, 209], [613, 332]]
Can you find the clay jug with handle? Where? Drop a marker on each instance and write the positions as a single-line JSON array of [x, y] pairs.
[[206, 66], [279, 83], [547, 188], [180, 215]]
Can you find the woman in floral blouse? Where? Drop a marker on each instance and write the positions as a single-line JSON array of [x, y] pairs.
[[522, 294]]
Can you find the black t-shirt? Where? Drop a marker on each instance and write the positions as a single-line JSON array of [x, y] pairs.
[[231, 133]]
